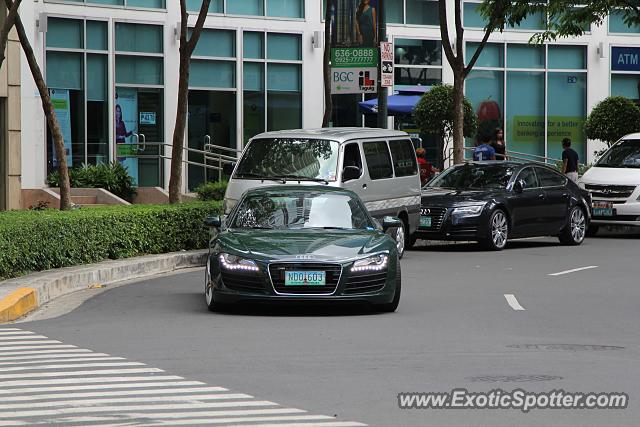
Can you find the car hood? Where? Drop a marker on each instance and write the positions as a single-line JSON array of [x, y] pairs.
[[612, 176], [307, 245], [449, 197]]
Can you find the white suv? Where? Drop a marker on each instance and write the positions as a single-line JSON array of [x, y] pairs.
[[614, 184]]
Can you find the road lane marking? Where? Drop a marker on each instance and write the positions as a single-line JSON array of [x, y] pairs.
[[9, 350], [16, 391], [188, 390], [86, 380], [7, 344], [253, 419], [589, 267], [30, 353], [83, 373], [70, 365], [513, 302], [57, 358], [20, 337]]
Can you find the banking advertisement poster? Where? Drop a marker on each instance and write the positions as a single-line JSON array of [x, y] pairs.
[[62, 107], [126, 125]]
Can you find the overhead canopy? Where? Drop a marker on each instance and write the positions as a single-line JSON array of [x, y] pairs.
[[401, 103]]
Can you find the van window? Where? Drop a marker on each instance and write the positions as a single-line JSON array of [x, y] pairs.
[[378, 161], [404, 158], [352, 156], [549, 178], [311, 159]]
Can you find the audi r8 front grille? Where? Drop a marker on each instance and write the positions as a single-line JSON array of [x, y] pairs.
[[332, 277], [365, 282], [243, 281]]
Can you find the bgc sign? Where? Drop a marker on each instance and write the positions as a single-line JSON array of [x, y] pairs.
[[354, 70], [625, 59]]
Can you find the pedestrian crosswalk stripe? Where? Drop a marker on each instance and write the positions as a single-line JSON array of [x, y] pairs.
[[46, 381]]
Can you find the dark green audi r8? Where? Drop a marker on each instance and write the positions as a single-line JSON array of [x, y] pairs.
[[302, 244]]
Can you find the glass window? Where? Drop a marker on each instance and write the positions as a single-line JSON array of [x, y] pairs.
[[221, 74], [139, 70], [472, 17], [156, 4], [404, 157], [525, 56], [113, 2], [246, 7], [624, 154], [529, 178], [525, 120], [376, 154], [284, 47], [485, 90], [352, 156], [491, 56], [395, 11], [138, 38], [64, 70], [549, 178], [474, 176], [97, 109], [417, 76], [253, 45], [253, 108], [214, 7], [535, 21], [422, 12], [418, 52], [253, 76], [566, 112], [284, 110], [284, 77], [97, 84], [97, 35], [617, 25], [568, 57], [627, 85], [285, 8], [216, 43], [65, 33]]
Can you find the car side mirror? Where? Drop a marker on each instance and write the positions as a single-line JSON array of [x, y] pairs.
[[227, 168], [351, 172], [519, 186], [391, 222], [213, 221]]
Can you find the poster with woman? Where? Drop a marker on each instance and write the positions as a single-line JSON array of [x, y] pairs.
[[126, 125], [355, 23]]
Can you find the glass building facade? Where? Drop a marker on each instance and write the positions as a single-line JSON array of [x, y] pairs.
[[112, 68]]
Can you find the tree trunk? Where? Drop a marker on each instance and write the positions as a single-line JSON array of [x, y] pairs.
[[9, 21], [175, 181], [458, 115], [328, 104], [49, 112]]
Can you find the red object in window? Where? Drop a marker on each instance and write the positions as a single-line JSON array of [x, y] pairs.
[[488, 110]]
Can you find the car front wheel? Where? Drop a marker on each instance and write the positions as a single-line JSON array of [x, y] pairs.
[[208, 291], [393, 305], [498, 228], [574, 232]]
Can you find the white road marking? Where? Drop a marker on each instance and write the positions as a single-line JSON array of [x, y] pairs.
[[29, 353], [6, 344], [83, 373], [311, 424], [17, 383], [208, 421], [71, 365], [16, 332], [589, 267], [190, 414], [21, 337], [16, 391], [173, 390], [513, 302], [10, 350], [59, 358]]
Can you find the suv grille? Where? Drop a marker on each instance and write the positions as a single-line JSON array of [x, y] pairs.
[[243, 281], [437, 217], [610, 191], [332, 276], [361, 283]]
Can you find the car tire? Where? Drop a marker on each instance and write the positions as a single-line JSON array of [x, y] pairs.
[[592, 231], [498, 228], [412, 241], [393, 305], [575, 230], [212, 305], [400, 236]]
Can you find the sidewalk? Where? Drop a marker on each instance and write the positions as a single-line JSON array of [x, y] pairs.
[[24, 294]]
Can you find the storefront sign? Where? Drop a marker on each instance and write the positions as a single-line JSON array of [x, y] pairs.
[[625, 59], [62, 106], [386, 64], [354, 57], [531, 128], [354, 70]]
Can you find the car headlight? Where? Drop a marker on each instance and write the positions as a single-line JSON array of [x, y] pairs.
[[373, 263], [471, 210], [234, 262], [228, 204]]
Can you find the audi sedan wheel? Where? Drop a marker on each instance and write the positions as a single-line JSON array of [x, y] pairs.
[[498, 231]]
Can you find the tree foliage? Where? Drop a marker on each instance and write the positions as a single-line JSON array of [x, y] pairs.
[[434, 113], [612, 119]]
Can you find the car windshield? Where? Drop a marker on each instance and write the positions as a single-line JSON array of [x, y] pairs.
[[289, 158], [625, 154], [474, 176], [301, 210]]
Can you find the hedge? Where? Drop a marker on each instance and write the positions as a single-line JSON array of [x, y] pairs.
[[42, 240]]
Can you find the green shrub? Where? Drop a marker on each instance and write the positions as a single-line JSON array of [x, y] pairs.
[[42, 240], [113, 177], [211, 190], [613, 118], [434, 113]]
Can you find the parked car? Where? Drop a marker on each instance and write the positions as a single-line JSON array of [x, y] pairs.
[[378, 165], [302, 244], [493, 202], [614, 184]]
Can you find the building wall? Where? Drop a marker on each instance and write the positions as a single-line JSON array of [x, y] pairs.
[[10, 124], [414, 21]]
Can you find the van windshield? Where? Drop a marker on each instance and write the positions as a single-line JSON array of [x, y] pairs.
[[289, 158], [625, 154]]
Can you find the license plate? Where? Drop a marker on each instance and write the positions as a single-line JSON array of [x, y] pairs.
[[425, 221], [602, 209], [304, 278]]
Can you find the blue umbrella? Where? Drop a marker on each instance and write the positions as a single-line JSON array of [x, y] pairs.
[[401, 103]]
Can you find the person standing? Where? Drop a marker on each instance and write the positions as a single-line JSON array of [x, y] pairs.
[[425, 168], [570, 160], [366, 28], [499, 145], [484, 151]]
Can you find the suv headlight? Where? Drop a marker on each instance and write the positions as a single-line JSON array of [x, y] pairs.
[[373, 263], [471, 210], [234, 262]]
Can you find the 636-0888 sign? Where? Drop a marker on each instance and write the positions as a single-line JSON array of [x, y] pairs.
[[354, 70]]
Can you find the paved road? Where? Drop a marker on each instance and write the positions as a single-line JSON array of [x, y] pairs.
[[579, 331]]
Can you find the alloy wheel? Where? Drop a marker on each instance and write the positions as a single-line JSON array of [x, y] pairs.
[[208, 291], [499, 229], [577, 225], [400, 237]]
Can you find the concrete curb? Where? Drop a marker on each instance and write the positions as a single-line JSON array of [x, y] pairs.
[[22, 295]]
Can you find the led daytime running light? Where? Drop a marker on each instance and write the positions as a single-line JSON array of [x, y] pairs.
[[237, 264], [374, 263]]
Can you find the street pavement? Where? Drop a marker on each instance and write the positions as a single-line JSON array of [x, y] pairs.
[[537, 316]]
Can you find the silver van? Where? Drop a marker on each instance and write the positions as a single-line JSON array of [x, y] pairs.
[[379, 165]]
